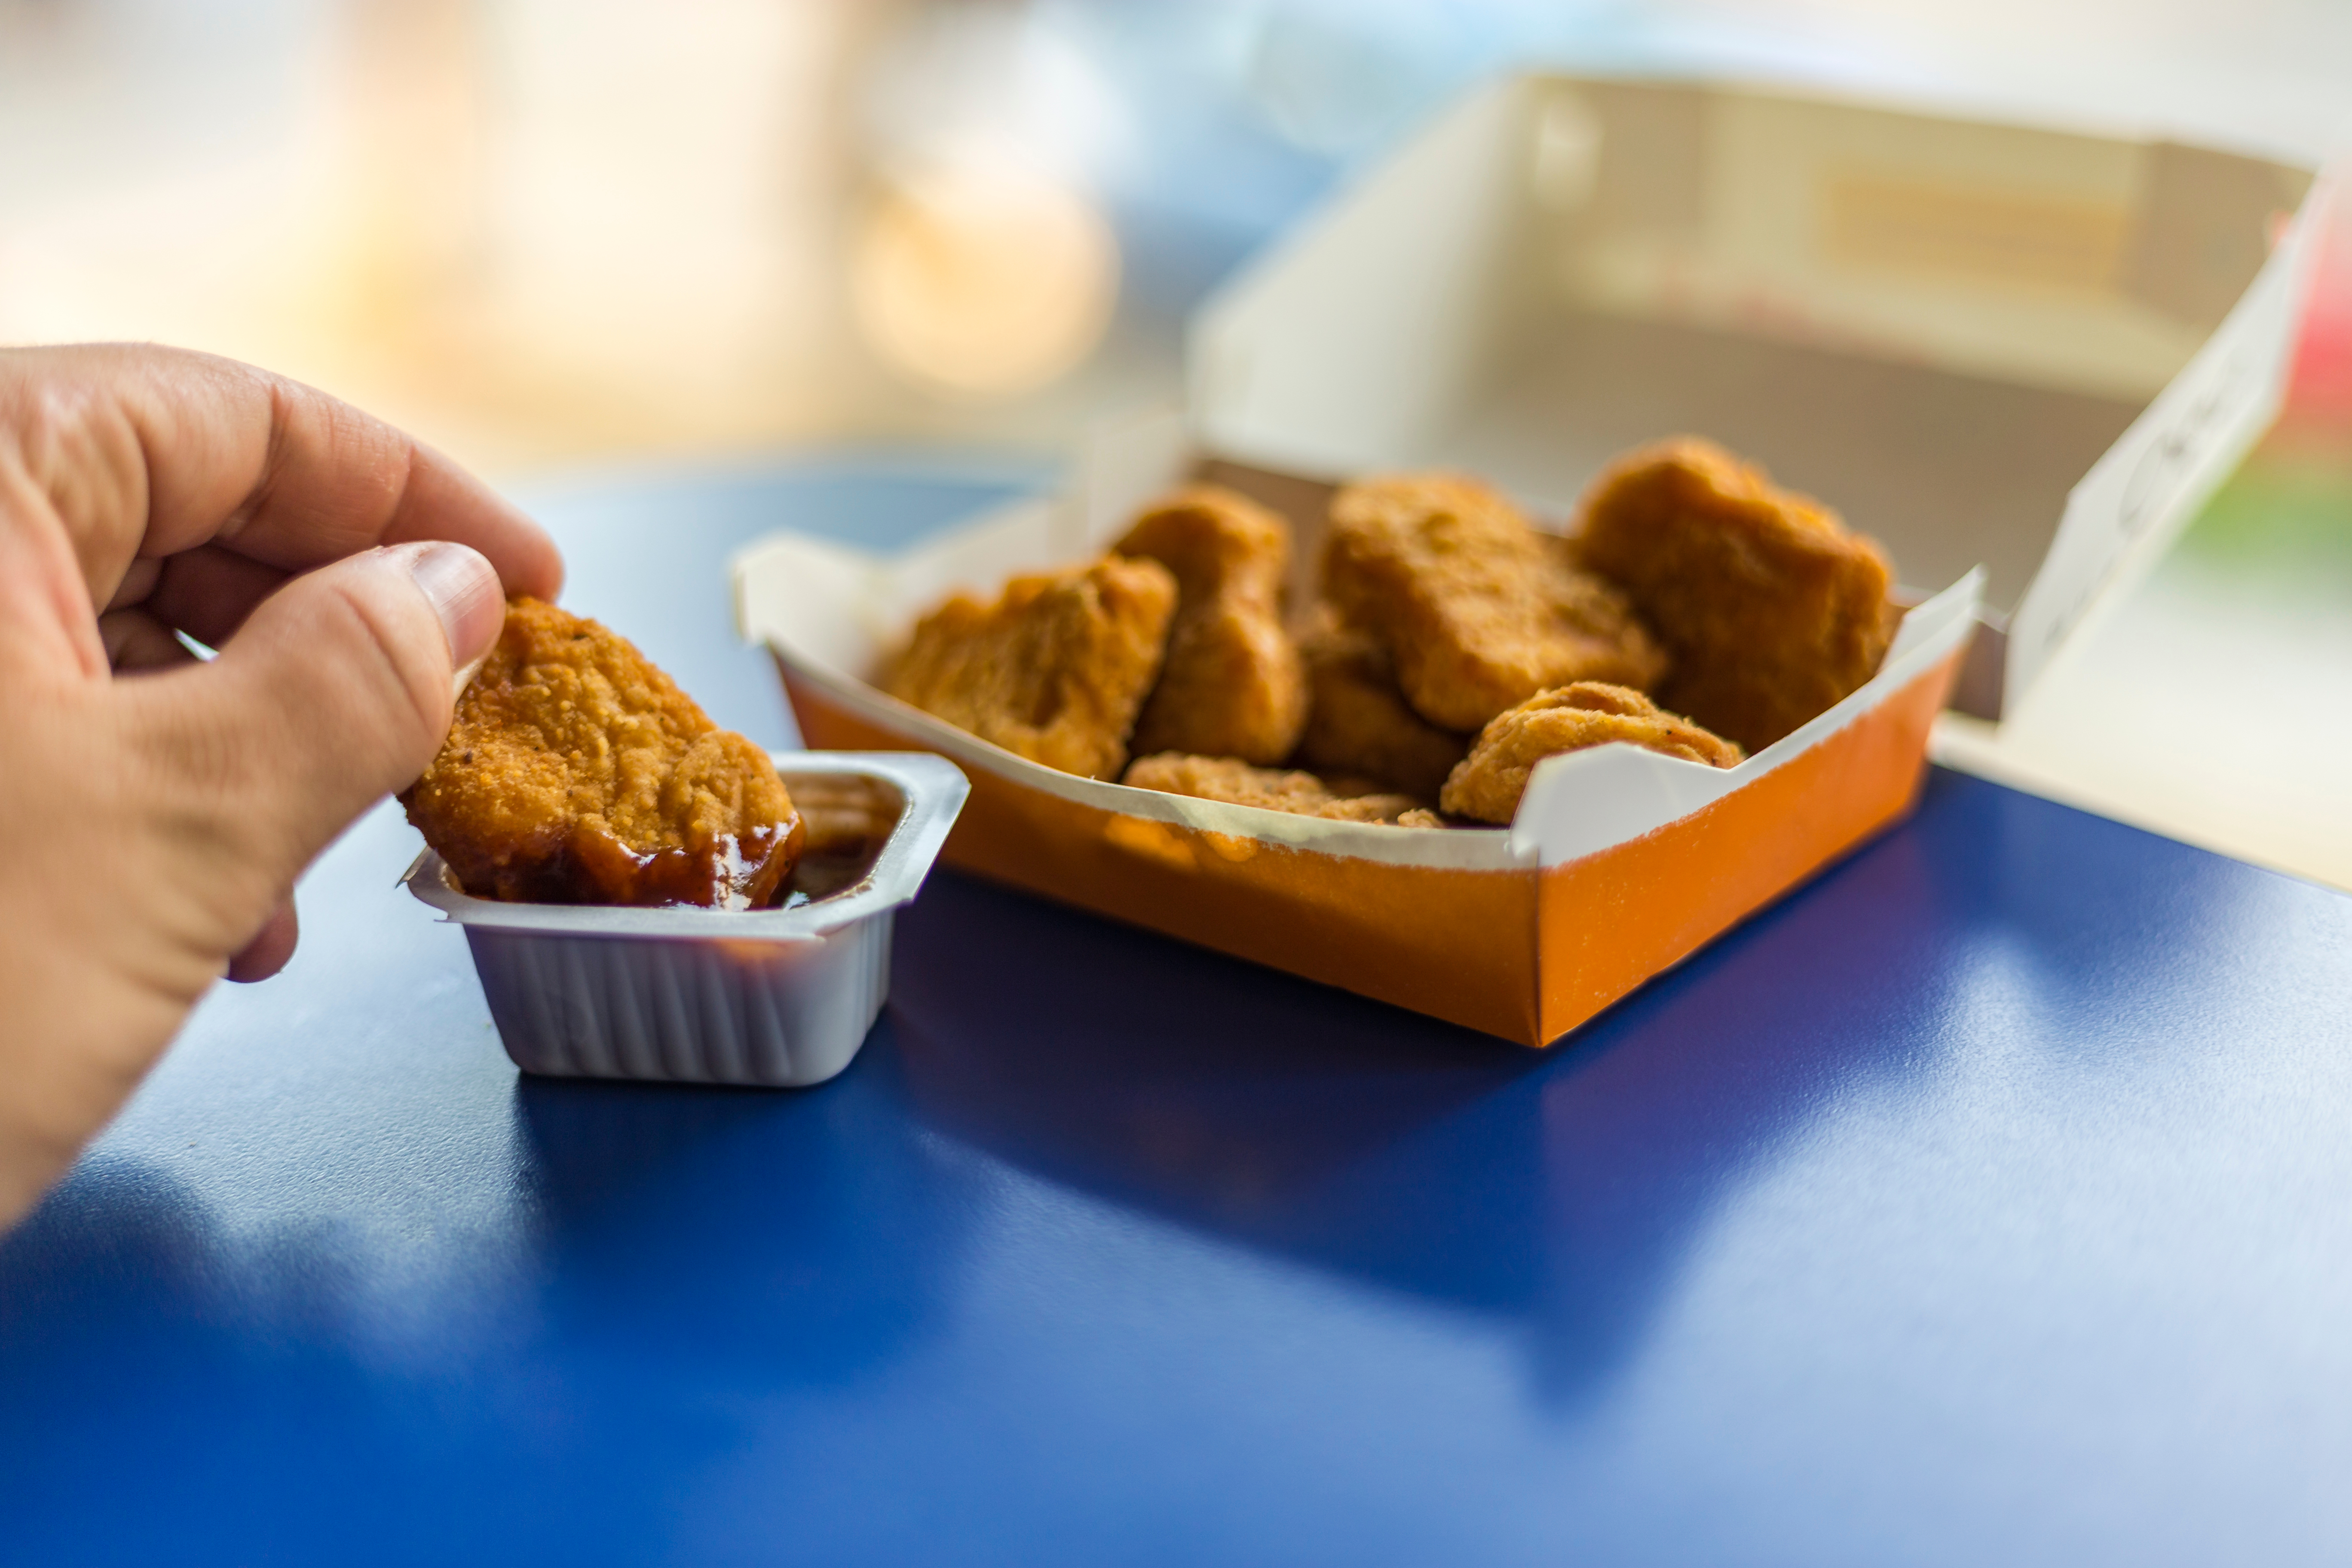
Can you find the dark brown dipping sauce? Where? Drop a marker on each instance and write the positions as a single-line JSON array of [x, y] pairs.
[[594, 868], [841, 826], [836, 869], [848, 819]]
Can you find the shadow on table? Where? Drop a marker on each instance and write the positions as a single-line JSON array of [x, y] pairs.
[[1562, 1190], [775, 1238], [175, 1392], [121, 1256], [170, 1386]]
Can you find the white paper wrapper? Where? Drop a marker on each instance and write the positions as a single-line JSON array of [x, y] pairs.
[[776, 997]]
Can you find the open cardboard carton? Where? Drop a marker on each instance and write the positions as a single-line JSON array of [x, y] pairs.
[[2020, 358]]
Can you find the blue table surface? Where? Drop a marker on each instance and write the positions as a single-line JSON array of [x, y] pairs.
[[1989, 1200]]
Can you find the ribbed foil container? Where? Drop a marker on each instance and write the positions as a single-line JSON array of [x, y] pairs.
[[782, 998]]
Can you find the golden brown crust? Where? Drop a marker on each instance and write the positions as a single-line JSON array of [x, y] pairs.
[[577, 773], [1232, 685], [1357, 720], [1476, 609], [1054, 668], [1772, 610], [1488, 783], [1238, 783]]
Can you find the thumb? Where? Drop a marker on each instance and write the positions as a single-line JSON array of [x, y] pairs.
[[337, 690]]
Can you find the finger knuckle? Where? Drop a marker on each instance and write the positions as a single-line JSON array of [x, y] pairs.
[[387, 662]]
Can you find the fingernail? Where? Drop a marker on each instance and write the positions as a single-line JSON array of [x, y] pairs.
[[465, 677], [463, 589]]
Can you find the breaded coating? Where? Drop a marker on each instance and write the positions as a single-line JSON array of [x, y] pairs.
[[577, 773], [1238, 783], [1476, 609], [1771, 609], [1488, 783], [1357, 720], [1232, 686], [1054, 668]]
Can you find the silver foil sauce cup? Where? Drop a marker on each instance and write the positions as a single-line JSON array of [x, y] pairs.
[[778, 997]]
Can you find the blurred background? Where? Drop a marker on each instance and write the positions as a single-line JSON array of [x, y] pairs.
[[549, 234]]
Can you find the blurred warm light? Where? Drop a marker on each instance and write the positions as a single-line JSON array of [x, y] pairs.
[[538, 230], [657, 192], [525, 229], [981, 277]]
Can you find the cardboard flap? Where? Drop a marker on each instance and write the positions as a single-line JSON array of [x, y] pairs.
[[2152, 481], [840, 607], [1368, 328], [827, 586], [1940, 327]]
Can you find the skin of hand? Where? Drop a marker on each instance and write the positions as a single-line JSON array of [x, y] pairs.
[[155, 810]]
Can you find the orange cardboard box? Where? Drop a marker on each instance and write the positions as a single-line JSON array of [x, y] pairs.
[[2028, 349]]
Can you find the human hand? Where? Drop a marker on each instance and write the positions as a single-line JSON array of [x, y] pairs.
[[156, 811]]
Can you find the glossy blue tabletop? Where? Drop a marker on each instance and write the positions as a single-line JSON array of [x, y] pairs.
[[1987, 1200]]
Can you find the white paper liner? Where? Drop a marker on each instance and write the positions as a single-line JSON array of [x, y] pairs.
[[827, 612]]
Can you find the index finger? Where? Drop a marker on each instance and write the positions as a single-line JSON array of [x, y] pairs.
[[151, 451]]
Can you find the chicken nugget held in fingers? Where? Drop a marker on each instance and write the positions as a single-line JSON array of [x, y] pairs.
[[1476, 608], [1487, 785], [575, 772], [1771, 609], [1054, 668], [1232, 685], [1236, 782], [1359, 722]]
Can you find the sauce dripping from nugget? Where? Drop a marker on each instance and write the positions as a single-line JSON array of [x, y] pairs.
[[575, 772]]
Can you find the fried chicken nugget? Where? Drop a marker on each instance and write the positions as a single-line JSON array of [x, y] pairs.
[[1771, 609], [1232, 686], [1053, 670], [1238, 783], [1487, 785], [1478, 611], [1357, 720], [577, 773]]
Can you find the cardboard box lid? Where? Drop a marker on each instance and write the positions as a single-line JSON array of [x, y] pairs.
[[2032, 348]]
